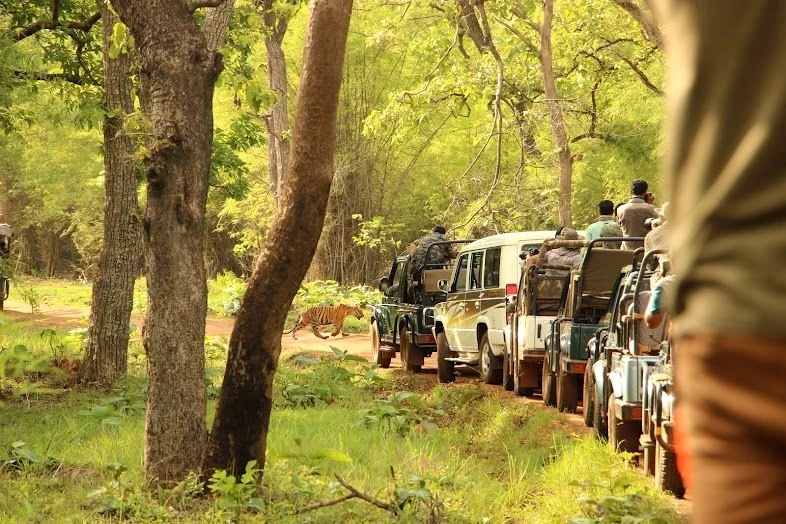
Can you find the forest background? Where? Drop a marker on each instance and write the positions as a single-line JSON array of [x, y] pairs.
[[432, 128]]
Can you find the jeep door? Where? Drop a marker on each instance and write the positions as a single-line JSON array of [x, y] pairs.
[[392, 300], [474, 298], [455, 303]]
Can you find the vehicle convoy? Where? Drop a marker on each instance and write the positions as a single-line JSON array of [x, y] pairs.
[[5, 249], [469, 325], [628, 392], [400, 323], [585, 301]]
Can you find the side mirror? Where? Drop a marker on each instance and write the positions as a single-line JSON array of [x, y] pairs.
[[443, 286], [383, 284]]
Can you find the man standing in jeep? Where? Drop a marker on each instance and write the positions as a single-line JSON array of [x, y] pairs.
[[604, 226], [632, 216], [439, 255]]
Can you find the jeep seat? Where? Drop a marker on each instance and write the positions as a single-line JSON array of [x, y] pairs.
[[432, 276], [592, 284]]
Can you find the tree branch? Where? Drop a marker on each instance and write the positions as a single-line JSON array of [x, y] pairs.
[[524, 38], [199, 4], [55, 23], [649, 27], [49, 77], [353, 494], [642, 75]]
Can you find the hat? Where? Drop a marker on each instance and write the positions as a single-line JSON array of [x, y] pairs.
[[664, 211], [568, 234]]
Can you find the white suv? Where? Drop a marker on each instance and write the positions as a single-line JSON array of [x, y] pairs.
[[469, 326]]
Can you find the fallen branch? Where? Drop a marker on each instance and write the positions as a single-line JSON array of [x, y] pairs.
[[353, 494]]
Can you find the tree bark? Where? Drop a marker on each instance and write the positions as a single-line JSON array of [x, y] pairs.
[[555, 113], [243, 414], [278, 121], [647, 23], [216, 24], [106, 355], [178, 74]]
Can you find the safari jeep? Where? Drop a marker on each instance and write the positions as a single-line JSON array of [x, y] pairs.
[[469, 325], [531, 313], [585, 300], [403, 322], [629, 354]]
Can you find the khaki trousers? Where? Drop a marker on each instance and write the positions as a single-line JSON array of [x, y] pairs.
[[733, 393]]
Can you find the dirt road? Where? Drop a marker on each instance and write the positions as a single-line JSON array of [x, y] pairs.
[[355, 344]]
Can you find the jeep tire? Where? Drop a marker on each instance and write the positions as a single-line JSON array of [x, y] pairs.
[[623, 435], [567, 391], [548, 382], [446, 369], [405, 349], [488, 372], [507, 371], [588, 398], [598, 424], [667, 477], [380, 358]]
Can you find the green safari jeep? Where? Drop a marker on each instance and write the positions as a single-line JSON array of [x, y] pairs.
[[402, 322]]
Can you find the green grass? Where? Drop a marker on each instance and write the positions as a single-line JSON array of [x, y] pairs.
[[480, 457]]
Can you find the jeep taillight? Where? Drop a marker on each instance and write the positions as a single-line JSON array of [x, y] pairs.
[[511, 289]]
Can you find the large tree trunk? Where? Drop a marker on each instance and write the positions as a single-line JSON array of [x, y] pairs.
[[178, 73], [278, 121], [555, 113], [106, 355], [243, 414]]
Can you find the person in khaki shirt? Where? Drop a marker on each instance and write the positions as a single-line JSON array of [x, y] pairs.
[[725, 170], [632, 216]]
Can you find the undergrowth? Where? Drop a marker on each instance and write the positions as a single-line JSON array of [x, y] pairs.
[[388, 449]]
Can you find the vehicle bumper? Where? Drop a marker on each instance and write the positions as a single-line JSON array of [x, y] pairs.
[[533, 355], [627, 410], [572, 366]]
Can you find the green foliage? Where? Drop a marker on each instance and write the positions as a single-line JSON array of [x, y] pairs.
[[327, 380], [327, 292], [400, 413], [225, 294], [621, 502], [111, 410], [32, 298], [19, 456], [237, 495]]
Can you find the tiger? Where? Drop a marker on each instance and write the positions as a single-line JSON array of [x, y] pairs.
[[324, 316]]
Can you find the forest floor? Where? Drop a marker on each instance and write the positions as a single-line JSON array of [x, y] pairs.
[[424, 383], [49, 316]]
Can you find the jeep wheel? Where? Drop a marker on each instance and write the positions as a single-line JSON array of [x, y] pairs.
[[567, 391], [507, 371], [623, 435], [600, 426], [488, 373], [518, 389], [381, 358], [588, 399], [648, 457], [667, 477], [548, 385], [405, 350], [445, 368]]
